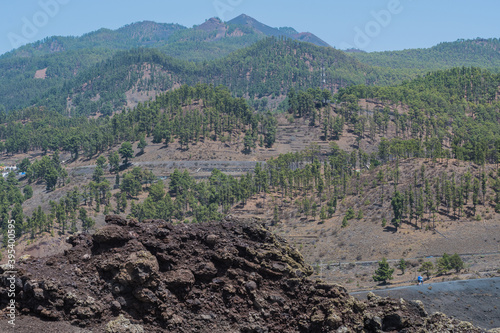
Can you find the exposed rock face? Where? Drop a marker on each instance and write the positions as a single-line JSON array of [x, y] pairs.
[[229, 276]]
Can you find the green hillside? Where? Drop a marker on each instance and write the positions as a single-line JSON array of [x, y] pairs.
[[456, 108], [483, 53], [269, 67], [66, 57]]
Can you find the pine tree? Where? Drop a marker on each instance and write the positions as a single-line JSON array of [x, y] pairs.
[[276, 216], [114, 162], [98, 174], [420, 207], [475, 193], [142, 144], [322, 214], [411, 201], [126, 152], [456, 262], [350, 213], [384, 272], [345, 222], [443, 264], [467, 185], [402, 264], [483, 186], [427, 268], [87, 222], [397, 203]]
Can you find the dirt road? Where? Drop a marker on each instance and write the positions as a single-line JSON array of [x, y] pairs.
[[476, 301]]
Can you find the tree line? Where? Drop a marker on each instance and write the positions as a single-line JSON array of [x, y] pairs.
[[188, 114]]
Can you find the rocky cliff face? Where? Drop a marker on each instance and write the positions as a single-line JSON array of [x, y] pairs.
[[229, 276]]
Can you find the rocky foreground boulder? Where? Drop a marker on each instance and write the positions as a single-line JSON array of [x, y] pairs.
[[229, 276]]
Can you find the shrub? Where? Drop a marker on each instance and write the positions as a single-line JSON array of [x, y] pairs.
[[350, 213]]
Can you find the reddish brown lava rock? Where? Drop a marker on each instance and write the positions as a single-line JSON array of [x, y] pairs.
[[228, 276]]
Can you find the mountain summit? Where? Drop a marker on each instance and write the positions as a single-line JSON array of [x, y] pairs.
[[245, 20]]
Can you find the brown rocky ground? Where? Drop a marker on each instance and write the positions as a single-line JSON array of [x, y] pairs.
[[230, 276]]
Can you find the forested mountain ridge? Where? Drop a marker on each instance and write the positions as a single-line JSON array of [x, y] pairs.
[[62, 58], [139, 34], [157, 35], [479, 52], [268, 68]]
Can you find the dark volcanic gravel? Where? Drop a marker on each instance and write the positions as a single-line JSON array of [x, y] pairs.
[[476, 301]]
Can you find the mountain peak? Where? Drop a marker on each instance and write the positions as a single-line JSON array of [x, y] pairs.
[[211, 24], [244, 17], [264, 29], [213, 20]]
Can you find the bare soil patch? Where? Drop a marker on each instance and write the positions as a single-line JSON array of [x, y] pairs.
[[41, 74]]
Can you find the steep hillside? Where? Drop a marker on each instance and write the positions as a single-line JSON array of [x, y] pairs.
[[367, 132], [456, 108], [445, 209], [483, 53]]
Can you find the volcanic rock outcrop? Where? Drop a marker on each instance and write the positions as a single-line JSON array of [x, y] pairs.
[[228, 276]]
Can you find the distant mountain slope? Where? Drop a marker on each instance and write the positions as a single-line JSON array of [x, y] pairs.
[[484, 53], [139, 34], [161, 35], [62, 58], [273, 66], [269, 67]]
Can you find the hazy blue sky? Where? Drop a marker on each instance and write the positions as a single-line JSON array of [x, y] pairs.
[[372, 25]]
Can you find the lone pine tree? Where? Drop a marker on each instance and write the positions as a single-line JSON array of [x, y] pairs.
[[383, 272]]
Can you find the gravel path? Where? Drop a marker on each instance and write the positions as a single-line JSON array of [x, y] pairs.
[[476, 301]]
